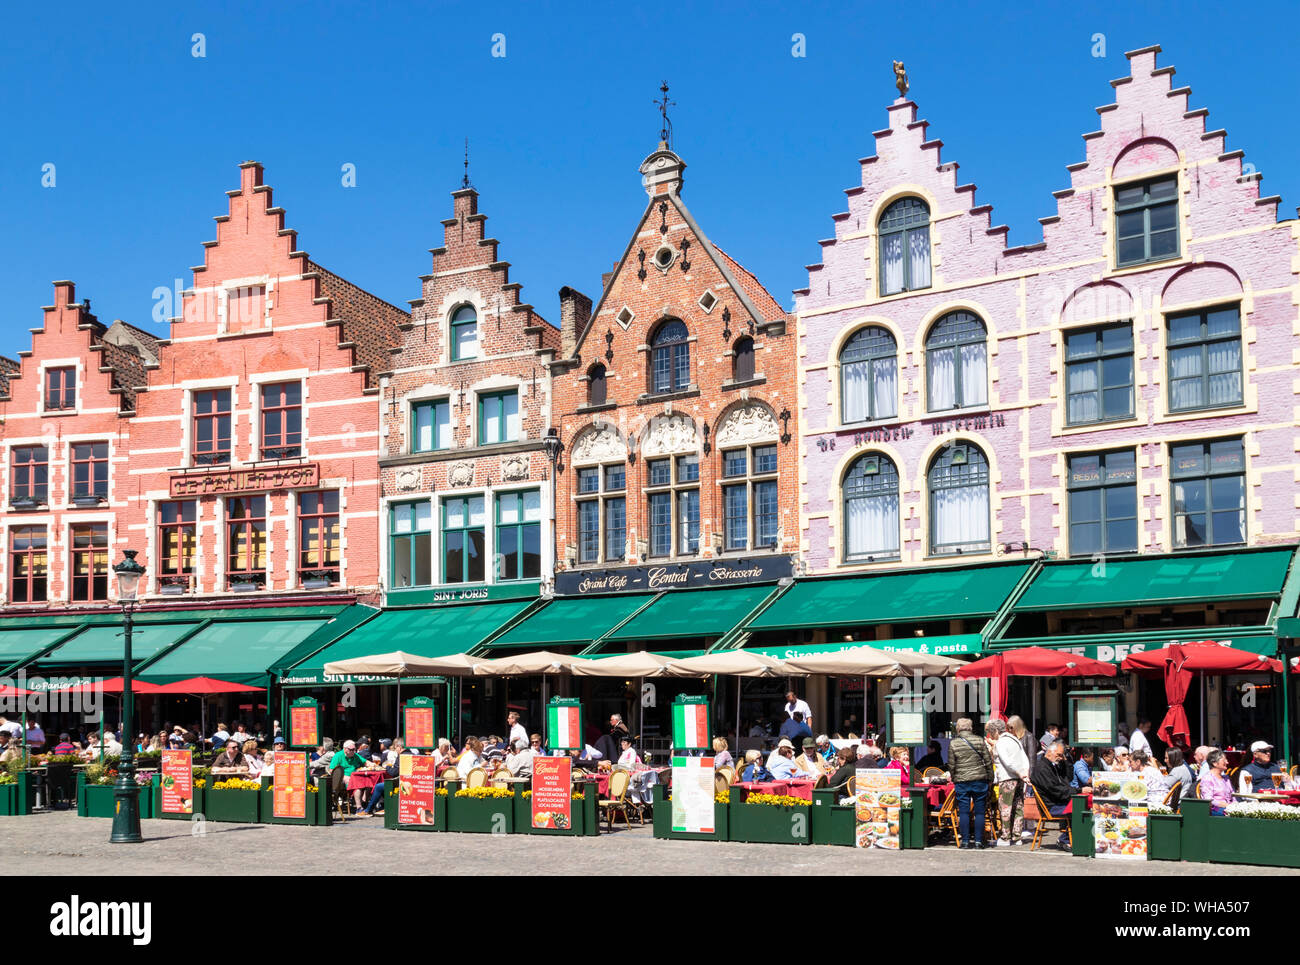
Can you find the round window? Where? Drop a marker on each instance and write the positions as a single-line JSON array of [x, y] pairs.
[[664, 257]]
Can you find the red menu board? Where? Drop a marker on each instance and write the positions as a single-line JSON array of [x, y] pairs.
[[302, 727], [419, 727], [289, 790], [553, 793], [415, 789], [177, 782]]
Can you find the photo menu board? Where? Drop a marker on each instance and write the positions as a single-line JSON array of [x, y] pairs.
[[878, 804], [177, 788]]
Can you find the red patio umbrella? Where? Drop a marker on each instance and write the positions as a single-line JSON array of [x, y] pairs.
[[8, 690], [204, 685], [113, 685], [1031, 662]]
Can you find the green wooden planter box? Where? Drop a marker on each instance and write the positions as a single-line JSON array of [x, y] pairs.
[[60, 785], [95, 800], [662, 820], [1081, 841], [586, 819], [19, 797], [1255, 841], [914, 831], [226, 804], [767, 823], [479, 815], [1164, 837], [390, 811], [197, 805], [317, 811], [831, 823]]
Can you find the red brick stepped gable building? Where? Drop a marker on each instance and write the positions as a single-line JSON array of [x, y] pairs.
[[675, 402], [254, 465]]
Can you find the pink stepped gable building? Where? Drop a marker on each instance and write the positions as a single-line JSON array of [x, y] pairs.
[[1128, 384]]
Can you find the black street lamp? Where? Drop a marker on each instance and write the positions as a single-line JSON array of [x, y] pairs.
[[553, 449], [126, 794]]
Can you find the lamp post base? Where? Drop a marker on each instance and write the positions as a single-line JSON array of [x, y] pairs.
[[126, 814]]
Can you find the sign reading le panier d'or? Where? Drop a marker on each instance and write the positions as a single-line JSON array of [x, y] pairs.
[[205, 482], [674, 576]]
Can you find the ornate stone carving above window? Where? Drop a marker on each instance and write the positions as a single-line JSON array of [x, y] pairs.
[[461, 474], [750, 422], [408, 478], [670, 434], [514, 467], [599, 444]]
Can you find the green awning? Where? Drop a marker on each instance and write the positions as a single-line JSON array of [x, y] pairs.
[[903, 597], [103, 645], [239, 651], [693, 613], [1159, 581], [17, 647], [945, 646], [572, 621], [434, 631]]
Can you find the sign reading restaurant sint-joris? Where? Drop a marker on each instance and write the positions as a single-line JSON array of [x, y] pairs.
[[673, 576], [207, 482]]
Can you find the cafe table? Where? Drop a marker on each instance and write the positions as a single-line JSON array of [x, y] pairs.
[[365, 779], [935, 794], [793, 788]]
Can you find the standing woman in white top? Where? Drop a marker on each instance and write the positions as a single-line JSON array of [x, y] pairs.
[[470, 758], [1011, 771]]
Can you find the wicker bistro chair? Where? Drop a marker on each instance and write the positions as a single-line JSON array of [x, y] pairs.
[[477, 777], [729, 773], [1043, 817], [720, 783], [501, 777], [617, 802], [1173, 797], [339, 793], [930, 772], [945, 819]]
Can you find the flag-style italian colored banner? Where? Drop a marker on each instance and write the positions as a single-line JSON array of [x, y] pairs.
[[693, 794], [564, 726], [691, 727]]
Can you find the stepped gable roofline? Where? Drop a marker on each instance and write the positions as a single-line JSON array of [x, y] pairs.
[[371, 326]]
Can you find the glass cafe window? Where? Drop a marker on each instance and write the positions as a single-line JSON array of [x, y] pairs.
[[1103, 503], [1208, 480]]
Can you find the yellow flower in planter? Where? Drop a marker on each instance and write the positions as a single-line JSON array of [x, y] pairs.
[[778, 800], [237, 784], [485, 792]]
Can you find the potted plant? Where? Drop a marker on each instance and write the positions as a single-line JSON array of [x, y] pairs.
[[95, 791], [768, 818], [484, 810], [232, 799], [16, 793]]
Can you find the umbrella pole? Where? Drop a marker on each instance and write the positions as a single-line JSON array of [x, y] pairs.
[[864, 706], [397, 711], [1205, 709], [739, 682], [1286, 710]]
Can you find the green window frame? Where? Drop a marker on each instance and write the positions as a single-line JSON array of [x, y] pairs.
[[464, 334], [1103, 502], [1146, 221], [519, 535], [464, 546], [956, 362], [1099, 383], [410, 544], [959, 501], [1207, 482], [431, 418], [1204, 364], [903, 251], [496, 410], [869, 376]]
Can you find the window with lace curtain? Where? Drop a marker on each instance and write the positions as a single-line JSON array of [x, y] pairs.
[[905, 246], [1099, 374], [956, 362], [959, 501], [869, 376], [871, 510], [1205, 359]]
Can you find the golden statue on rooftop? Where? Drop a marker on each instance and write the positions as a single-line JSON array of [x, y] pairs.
[[900, 78]]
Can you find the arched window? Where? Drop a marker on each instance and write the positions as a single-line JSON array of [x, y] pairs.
[[671, 361], [905, 246], [464, 333], [871, 509], [959, 500], [956, 362], [596, 385], [869, 376], [742, 369]]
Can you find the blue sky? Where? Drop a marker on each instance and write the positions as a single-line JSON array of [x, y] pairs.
[[145, 137]]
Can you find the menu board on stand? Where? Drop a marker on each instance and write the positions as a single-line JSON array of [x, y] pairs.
[[417, 723], [552, 793], [304, 724], [1119, 815], [907, 721], [693, 792], [1094, 718], [177, 789], [878, 802], [564, 724], [289, 785], [416, 789], [691, 724]]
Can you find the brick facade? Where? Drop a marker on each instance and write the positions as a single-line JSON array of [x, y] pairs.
[[698, 405]]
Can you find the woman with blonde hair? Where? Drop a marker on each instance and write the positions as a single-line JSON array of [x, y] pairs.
[[721, 756], [253, 759]]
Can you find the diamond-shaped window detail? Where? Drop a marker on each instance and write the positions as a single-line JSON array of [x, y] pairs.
[[708, 301], [624, 317]]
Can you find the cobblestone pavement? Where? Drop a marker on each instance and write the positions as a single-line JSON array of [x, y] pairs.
[[61, 843]]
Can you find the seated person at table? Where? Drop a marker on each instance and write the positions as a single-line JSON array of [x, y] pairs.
[[1180, 772], [588, 754], [519, 762], [784, 767], [1082, 774], [1106, 760], [64, 746], [1121, 762], [109, 746], [1050, 785], [230, 761], [348, 759], [898, 762], [393, 770], [1157, 784], [321, 758], [809, 760], [535, 745], [1214, 784], [253, 758], [628, 756], [9, 749], [443, 754], [846, 766], [932, 758], [721, 756], [1261, 769], [470, 758], [794, 729], [363, 750], [1050, 737], [754, 769]]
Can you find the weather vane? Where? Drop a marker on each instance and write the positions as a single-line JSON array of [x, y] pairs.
[[663, 103], [464, 182]]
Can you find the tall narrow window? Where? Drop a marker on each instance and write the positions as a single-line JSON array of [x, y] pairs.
[[61, 389], [464, 334], [318, 538], [211, 426], [1103, 503], [498, 417], [28, 564], [905, 246], [871, 510], [749, 498], [869, 376], [1209, 488], [959, 501], [519, 535], [956, 362], [246, 308], [602, 513], [246, 542], [1099, 374], [90, 562], [1205, 359], [673, 501], [282, 420], [176, 539], [670, 357], [29, 473], [463, 549], [1146, 221], [742, 368], [431, 425], [410, 545], [596, 388], [89, 472]]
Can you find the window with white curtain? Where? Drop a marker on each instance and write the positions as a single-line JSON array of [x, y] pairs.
[[904, 246], [871, 531], [1209, 489], [1099, 374], [959, 501], [956, 362], [1205, 359], [869, 376]]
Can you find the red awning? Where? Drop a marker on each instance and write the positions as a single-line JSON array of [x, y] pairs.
[[7, 690], [1202, 656], [1037, 662], [205, 685]]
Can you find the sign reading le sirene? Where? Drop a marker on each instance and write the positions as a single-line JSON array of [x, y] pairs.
[[673, 576], [207, 482]]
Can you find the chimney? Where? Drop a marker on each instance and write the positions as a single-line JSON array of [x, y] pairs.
[[575, 312]]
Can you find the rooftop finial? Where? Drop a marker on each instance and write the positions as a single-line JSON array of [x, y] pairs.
[[663, 103], [900, 78], [464, 182]]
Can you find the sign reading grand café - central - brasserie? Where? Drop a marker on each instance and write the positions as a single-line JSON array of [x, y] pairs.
[[206, 482], [673, 576]]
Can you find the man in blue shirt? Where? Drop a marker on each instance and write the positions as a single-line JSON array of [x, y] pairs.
[[1262, 767], [783, 766], [1082, 770], [795, 730]]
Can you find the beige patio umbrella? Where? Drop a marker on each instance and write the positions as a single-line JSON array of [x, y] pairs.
[[735, 663], [515, 665], [402, 664], [628, 665], [870, 662]]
